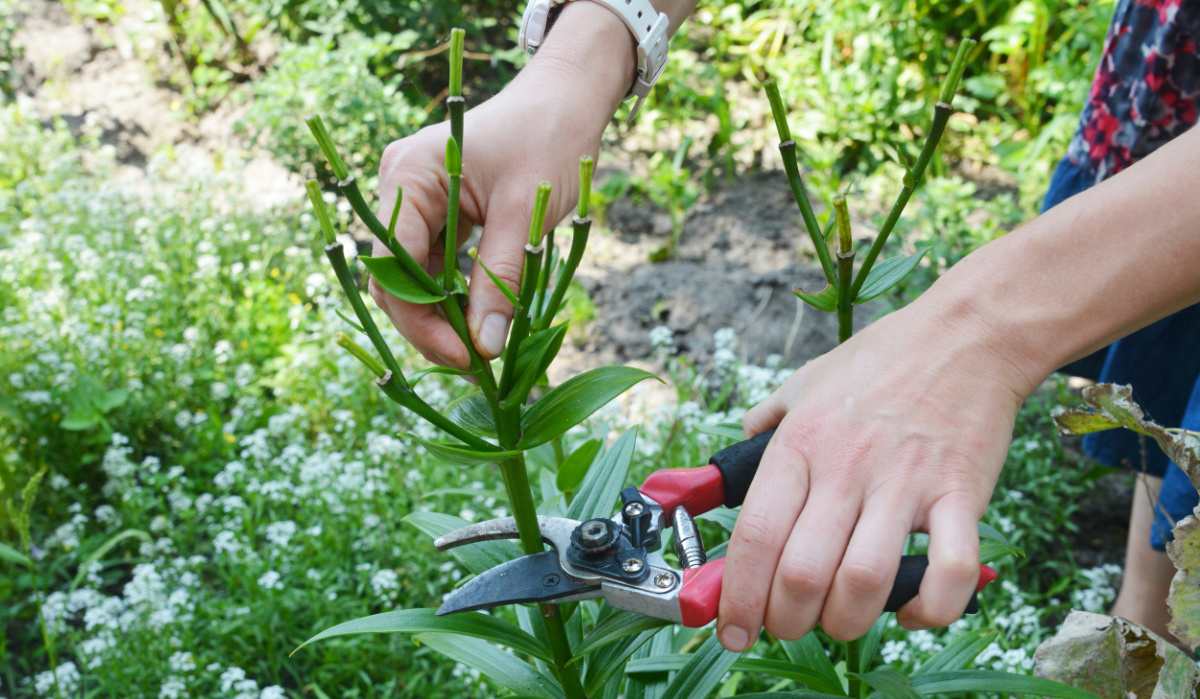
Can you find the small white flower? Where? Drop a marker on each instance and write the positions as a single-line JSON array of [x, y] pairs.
[[270, 580]]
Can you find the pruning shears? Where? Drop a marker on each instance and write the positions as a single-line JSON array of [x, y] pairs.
[[620, 558]]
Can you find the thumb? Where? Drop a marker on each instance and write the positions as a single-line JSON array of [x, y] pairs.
[[502, 250]]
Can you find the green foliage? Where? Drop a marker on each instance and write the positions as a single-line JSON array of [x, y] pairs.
[[334, 79]]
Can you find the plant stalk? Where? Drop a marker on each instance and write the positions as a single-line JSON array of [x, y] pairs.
[[912, 178], [580, 228], [454, 192], [337, 258], [408, 398], [788, 150], [845, 268]]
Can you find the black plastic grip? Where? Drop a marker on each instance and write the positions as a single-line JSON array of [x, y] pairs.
[[738, 464], [908, 583]]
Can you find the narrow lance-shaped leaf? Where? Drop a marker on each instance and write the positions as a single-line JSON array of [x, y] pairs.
[[476, 557], [395, 280], [824, 300], [462, 454], [501, 667], [992, 683], [473, 624], [574, 468], [887, 274], [10, 554], [890, 683], [616, 626], [703, 671], [472, 411], [573, 401], [604, 480]]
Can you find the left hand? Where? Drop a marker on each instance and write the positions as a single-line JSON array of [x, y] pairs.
[[903, 428]]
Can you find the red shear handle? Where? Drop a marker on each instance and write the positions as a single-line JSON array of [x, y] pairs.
[[701, 592], [724, 480]]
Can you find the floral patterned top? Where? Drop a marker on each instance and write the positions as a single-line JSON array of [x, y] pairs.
[[1147, 86]]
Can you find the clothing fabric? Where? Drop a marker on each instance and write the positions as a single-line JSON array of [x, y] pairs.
[[1146, 92]]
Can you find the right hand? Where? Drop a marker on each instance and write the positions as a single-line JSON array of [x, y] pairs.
[[535, 130]]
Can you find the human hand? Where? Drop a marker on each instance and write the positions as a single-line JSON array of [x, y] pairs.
[[903, 428], [535, 130]]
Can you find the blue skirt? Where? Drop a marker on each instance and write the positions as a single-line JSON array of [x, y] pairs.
[[1162, 363]]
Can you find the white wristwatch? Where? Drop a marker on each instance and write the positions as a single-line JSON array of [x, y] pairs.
[[649, 27]]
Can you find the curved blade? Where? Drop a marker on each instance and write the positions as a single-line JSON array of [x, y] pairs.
[[555, 531], [533, 578]]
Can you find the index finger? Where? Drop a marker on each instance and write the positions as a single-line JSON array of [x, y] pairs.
[[421, 214], [772, 505]]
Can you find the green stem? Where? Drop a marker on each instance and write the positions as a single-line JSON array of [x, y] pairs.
[[450, 256], [788, 150], [941, 114], [579, 237], [520, 322], [845, 268], [337, 258], [912, 178], [349, 189], [407, 398], [539, 306]]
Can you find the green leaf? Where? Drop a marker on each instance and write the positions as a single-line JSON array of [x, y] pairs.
[[81, 416], [573, 469], [110, 400], [416, 376], [808, 676], [473, 412], [390, 276], [503, 668], [571, 402], [537, 352], [462, 454], [887, 274], [962, 649], [10, 554], [869, 645], [613, 658], [349, 321], [476, 557], [474, 624], [604, 480], [993, 682], [824, 300], [722, 517], [993, 545], [808, 652], [728, 430], [616, 626], [103, 549], [703, 672], [890, 683]]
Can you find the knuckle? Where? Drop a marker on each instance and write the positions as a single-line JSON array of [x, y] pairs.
[[801, 579], [940, 616], [394, 154], [786, 627], [509, 271], [841, 628], [862, 578], [961, 569], [751, 532], [380, 296]]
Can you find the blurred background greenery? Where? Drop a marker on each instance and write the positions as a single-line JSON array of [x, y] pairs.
[[166, 338]]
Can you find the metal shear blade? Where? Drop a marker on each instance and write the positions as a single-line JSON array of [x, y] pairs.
[[533, 578]]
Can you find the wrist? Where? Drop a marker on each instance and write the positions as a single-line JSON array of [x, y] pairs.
[[974, 308], [588, 61]]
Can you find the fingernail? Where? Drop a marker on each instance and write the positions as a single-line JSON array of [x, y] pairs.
[[734, 638], [492, 333]]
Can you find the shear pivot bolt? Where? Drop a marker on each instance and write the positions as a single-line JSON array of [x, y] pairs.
[[550, 579], [632, 565], [634, 509], [664, 580]]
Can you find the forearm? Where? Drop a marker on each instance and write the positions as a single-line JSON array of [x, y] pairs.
[[1092, 269]]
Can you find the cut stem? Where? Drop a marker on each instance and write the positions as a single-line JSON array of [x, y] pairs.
[[529, 277], [361, 354], [337, 258], [407, 398], [450, 255], [912, 178], [845, 268]]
